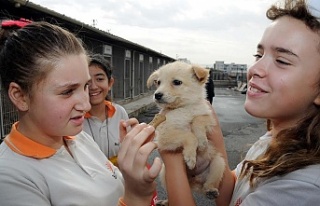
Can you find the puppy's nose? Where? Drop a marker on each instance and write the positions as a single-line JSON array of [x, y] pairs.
[[158, 96]]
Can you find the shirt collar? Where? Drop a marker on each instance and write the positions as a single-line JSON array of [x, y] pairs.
[[21, 144], [110, 109]]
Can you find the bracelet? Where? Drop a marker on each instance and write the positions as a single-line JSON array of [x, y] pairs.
[[120, 202]]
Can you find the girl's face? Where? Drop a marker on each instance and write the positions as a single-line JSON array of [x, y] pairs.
[[99, 85], [58, 103], [283, 83]]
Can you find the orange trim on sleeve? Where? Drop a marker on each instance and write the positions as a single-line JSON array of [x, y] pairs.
[[21, 144]]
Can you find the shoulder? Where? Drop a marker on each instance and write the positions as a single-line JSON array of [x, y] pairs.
[[259, 147], [308, 175], [120, 109], [118, 106], [300, 187]]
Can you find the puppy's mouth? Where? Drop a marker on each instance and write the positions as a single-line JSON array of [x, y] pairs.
[[160, 101]]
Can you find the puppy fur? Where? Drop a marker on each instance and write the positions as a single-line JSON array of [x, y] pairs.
[[180, 93]]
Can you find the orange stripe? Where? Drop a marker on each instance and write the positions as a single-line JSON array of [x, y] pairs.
[[110, 108], [21, 144]]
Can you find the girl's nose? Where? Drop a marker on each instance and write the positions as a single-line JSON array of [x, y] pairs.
[[83, 102], [258, 69], [92, 84]]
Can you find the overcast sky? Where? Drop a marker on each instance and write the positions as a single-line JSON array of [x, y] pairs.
[[203, 31]]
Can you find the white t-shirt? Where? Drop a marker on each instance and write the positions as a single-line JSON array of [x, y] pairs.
[[300, 187], [33, 174], [106, 133]]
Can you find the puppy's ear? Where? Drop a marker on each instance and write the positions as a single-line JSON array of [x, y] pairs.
[[151, 78], [201, 73]]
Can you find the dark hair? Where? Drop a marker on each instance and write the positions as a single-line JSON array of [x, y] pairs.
[[102, 62], [29, 53], [299, 146]]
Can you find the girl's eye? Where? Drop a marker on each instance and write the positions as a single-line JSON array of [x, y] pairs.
[[257, 56], [67, 92], [86, 86], [100, 79], [283, 62]]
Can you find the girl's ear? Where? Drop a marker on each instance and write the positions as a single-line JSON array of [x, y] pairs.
[[18, 97], [111, 81], [317, 100]]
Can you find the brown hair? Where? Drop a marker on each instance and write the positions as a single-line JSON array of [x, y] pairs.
[[29, 53], [299, 146]]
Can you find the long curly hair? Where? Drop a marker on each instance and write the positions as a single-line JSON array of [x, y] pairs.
[[299, 146]]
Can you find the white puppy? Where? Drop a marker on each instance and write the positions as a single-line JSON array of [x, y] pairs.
[[181, 94]]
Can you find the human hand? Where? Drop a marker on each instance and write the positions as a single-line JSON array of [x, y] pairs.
[[125, 126], [216, 136], [132, 159]]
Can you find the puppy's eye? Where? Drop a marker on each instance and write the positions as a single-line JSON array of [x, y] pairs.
[[177, 82], [156, 82]]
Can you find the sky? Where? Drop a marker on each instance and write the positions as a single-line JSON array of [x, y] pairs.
[[203, 31]]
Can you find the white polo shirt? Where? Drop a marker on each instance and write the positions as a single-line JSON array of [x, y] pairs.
[[300, 187], [33, 174], [106, 133]]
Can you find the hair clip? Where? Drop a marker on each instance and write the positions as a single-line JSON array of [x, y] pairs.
[[18, 23], [313, 7]]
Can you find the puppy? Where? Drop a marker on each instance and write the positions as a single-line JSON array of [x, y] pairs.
[[188, 118]]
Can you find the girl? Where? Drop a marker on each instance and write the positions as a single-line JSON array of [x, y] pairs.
[[44, 70], [102, 121], [283, 166]]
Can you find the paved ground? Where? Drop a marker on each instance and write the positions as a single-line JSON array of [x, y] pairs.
[[240, 130]]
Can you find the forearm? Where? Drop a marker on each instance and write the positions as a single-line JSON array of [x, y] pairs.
[[228, 181], [226, 188], [177, 185], [132, 200]]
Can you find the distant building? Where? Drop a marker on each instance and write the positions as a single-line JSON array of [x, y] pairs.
[[236, 71], [184, 60]]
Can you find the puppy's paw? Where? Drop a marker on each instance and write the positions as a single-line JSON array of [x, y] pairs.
[[202, 146], [190, 161], [212, 194]]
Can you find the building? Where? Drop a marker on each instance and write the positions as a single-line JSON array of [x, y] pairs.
[[132, 63], [234, 71]]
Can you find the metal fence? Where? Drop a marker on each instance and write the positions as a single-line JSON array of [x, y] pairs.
[[8, 114]]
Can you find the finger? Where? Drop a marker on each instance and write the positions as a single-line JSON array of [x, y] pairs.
[[137, 140], [122, 129], [125, 126], [125, 143], [133, 141], [155, 168], [132, 122]]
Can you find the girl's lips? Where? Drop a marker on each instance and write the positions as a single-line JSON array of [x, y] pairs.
[[94, 93], [78, 120], [254, 90]]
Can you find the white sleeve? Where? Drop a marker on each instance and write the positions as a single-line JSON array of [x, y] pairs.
[[123, 112], [18, 189], [284, 192]]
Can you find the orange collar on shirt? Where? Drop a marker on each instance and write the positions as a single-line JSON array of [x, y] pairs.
[[110, 108], [21, 144]]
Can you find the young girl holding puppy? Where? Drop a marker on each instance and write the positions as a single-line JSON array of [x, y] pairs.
[[283, 166], [44, 71]]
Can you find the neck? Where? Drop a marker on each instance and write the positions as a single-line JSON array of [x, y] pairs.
[[32, 132], [99, 111]]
